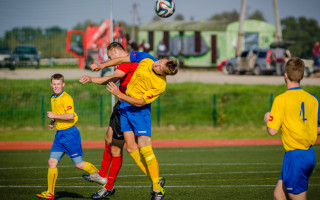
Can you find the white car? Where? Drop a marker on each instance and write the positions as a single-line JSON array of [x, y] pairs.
[[5, 57]]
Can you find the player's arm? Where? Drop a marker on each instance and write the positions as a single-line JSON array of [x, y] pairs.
[[318, 130], [110, 63], [66, 116], [117, 75], [113, 89], [271, 131]]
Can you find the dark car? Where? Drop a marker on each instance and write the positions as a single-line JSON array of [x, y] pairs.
[[5, 57], [26, 55], [257, 61]]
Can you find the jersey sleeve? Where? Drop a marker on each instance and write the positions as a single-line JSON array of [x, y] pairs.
[[68, 104], [137, 56], [151, 95], [125, 67], [318, 109], [275, 115]]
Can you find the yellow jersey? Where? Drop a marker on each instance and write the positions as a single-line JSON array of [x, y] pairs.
[[145, 82], [62, 104], [297, 113]]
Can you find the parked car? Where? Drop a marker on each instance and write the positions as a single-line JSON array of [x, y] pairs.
[[26, 55], [309, 67], [257, 61], [5, 57]]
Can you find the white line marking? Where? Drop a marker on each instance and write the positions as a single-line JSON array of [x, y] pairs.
[[137, 186], [165, 164], [142, 175]]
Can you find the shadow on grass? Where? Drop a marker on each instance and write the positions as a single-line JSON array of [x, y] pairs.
[[64, 194]]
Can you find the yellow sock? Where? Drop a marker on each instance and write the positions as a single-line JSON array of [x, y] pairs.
[[140, 162], [52, 177], [90, 168], [153, 166]]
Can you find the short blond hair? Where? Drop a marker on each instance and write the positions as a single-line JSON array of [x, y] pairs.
[[295, 69], [57, 77]]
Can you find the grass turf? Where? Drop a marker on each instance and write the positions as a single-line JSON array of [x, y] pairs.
[[247, 172]]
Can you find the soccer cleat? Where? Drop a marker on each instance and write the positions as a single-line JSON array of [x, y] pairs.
[[95, 178], [103, 193], [162, 181], [158, 195], [45, 195]]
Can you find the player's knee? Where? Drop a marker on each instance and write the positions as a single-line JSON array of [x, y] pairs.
[[115, 151], [80, 165], [131, 149], [279, 195], [52, 163]]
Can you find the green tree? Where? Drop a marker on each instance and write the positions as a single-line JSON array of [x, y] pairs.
[[83, 26], [257, 15], [50, 43], [304, 32], [24, 35], [54, 44], [226, 16], [179, 17], [156, 18]]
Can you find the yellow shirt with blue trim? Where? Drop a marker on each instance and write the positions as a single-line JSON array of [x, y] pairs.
[[145, 82], [62, 104], [297, 113]]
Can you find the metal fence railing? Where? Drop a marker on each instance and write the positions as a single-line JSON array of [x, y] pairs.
[[222, 109]]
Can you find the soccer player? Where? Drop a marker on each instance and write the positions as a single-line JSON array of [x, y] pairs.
[[67, 139], [114, 139], [146, 84], [298, 114]]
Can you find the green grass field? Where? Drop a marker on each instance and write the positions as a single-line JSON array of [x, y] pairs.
[[206, 173]]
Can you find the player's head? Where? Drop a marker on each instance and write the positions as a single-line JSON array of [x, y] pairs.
[[166, 66], [115, 50], [294, 69], [57, 83]]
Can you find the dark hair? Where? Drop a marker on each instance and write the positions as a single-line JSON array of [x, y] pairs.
[[295, 69], [115, 45], [57, 77], [171, 67]]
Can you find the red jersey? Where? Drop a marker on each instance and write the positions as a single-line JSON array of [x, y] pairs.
[[129, 69]]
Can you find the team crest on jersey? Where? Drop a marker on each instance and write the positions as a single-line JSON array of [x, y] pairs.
[[69, 107], [150, 97], [270, 118], [134, 54]]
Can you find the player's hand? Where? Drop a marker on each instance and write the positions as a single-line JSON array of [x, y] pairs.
[[266, 117], [85, 79], [113, 89], [50, 115], [94, 67], [51, 126]]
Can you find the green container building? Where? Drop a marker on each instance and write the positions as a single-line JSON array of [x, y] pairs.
[[205, 43]]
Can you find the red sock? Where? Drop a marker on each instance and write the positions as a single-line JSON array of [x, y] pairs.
[[113, 173], [106, 159]]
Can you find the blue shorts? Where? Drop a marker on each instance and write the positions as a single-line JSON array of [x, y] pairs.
[[297, 167], [67, 141], [137, 119]]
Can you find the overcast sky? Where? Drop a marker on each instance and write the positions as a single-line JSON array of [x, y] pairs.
[[67, 13]]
